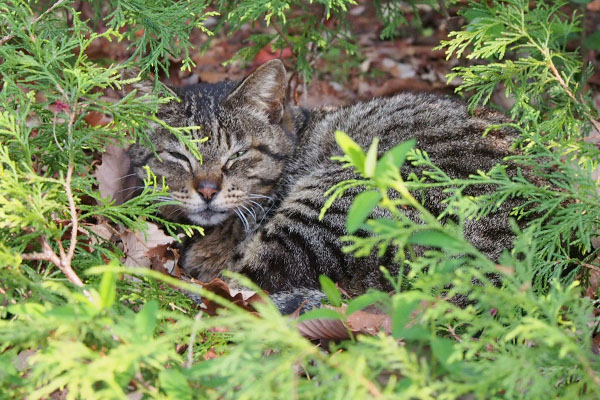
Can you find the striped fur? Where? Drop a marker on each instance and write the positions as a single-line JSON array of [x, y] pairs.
[[273, 164]]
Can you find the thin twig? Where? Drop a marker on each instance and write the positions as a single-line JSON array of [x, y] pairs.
[[444, 9], [6, 38], [190, 353], [453, 333], [49, 255], [64, 259], [562, 83], [74, 219], [285, 39]]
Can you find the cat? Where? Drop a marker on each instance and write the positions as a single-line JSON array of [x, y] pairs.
[[259, 188]]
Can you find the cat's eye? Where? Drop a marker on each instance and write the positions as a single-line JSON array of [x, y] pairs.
[[237, 155], [179, 156]]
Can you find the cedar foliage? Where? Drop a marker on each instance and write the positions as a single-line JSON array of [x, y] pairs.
[[104, 338]]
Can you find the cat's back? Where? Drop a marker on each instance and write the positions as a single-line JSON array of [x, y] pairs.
[[442, 126]]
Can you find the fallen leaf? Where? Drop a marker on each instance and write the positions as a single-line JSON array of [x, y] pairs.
[[594, 5], [359, 323], [137, 245], [267, 54], [367, 323], [113, 175], [243, 299], [332, 329], [164, 258], [95, 118]]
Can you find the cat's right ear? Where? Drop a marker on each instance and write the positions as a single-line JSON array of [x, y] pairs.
[[264, 90]]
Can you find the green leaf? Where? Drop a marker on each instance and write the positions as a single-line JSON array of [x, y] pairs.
[[352, 150], [442, 240], [360, 209], [174, 384], [320, 313], [472, 13], [108, 289], [146, 319], [394, 158], [443, 349], [66, 312], [365, 300], [331, 291], [592, 42], [402, 310], [371, 159]]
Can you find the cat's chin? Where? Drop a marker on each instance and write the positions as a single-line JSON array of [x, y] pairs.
[[208, 218]]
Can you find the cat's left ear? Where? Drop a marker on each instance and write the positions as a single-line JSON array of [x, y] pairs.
[[264, 90]]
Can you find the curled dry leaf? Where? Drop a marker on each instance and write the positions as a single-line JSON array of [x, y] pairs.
[[359, 323], [332, 329], [243, 299]]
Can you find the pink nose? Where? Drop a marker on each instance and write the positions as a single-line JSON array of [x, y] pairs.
[[208, 189], [207, 193]]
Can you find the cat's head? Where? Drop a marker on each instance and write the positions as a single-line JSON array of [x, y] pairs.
[[251, 134]]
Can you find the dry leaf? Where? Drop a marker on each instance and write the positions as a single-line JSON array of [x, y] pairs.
[[332, 329], [243, 299], [359, 323], [594, 5], [113, 181], [368, 323], [95, 118], [137, 246]]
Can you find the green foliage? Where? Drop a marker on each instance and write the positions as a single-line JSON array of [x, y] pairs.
[[117, 337], [524, 48], [310, 29], [526, 51]]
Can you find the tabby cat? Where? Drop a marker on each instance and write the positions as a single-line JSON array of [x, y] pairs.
[[259, 189]]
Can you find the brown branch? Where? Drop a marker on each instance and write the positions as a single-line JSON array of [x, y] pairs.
[[72, 208], [64, 259], [285, 39], [6, 38], [564, 85], [49, 255], [443, 9]]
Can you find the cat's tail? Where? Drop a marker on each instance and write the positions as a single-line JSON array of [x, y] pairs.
[[300, 299], [288, 302]]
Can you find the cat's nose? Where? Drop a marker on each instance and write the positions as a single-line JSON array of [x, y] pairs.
[[208, 189]]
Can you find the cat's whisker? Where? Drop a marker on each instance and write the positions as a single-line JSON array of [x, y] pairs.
[[176, 212], [130, 188], [247, 223], [242, 218], [125, 176], [259, 196], [250, 212], [258, 204]]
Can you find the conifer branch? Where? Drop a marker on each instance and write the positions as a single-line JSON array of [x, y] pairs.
[[64, 259], [8, 37], [48, 254], [563, 84]]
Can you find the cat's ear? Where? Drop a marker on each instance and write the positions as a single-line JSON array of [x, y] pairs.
[[264, 90]]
